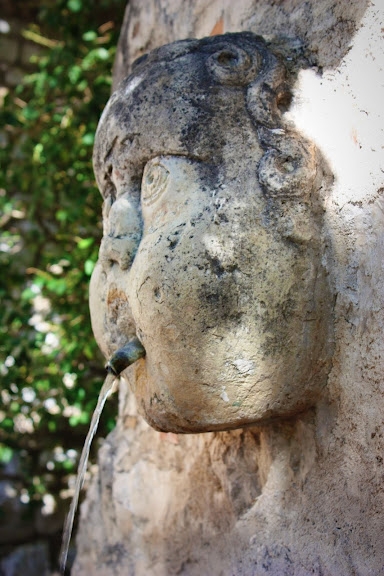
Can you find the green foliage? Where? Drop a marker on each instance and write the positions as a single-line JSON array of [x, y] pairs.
[[50, 366]]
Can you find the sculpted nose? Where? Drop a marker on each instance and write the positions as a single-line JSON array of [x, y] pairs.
[[122, 233], [118, 249]]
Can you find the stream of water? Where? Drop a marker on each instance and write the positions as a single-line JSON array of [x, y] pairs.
[[121, 359], [104, 393]]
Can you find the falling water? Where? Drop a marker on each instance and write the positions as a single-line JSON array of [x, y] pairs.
[[104, 393], [121, 359]]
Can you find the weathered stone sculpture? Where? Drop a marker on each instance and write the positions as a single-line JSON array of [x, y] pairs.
[[294, 496], [213, 252]]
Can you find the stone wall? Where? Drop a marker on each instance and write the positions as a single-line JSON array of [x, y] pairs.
[[15, 49], [299, 496], [15, 53]]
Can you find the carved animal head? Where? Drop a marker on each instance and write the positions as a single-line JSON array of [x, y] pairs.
[[212, 247]]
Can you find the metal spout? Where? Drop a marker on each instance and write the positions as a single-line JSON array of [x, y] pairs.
[[125, 356]]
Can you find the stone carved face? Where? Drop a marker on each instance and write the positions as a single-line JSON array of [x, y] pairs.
[[212, 247]]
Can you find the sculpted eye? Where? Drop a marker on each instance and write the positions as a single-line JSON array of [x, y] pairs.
[[155, 181]]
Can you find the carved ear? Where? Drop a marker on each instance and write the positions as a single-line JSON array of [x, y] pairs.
[[288, 170]]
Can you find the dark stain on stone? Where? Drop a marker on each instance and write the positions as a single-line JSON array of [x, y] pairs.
[[217, 266], [220, 302]]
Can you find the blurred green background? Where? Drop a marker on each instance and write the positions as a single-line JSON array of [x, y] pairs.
[[51, 369]]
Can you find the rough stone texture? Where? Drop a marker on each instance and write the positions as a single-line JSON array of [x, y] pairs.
[[294, 497]]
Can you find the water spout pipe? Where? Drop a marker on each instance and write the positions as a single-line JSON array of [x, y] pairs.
[[125, 356]]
